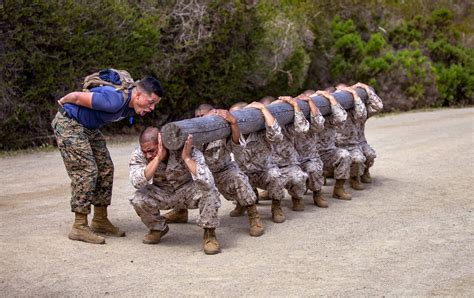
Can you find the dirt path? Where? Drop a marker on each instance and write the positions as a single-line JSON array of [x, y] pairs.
[[409, 233]]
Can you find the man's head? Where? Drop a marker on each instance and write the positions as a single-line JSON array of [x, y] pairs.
[[237, 106], [149, 142], [308, 92], [341, 85], [267, 100], [330, 89], [202, 110], [146, 95]]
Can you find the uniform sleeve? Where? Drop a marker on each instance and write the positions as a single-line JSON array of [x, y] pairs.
[[317, 122], [338, 116], [137, 167], [359, 112], [236, 147], [374, 104], [274, 133], [203, 177], [300, 123], [106, 100]]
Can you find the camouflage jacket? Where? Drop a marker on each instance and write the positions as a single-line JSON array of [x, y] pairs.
[[217, 153], [374, 105], [327, 137], [172, 173], [256, 154], [284, 152], [348, 134], [306, 144]]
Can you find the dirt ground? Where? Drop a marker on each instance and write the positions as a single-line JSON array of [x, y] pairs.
[[409, 233]]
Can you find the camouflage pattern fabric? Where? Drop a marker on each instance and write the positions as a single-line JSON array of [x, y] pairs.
[[314, 169], [306, 144], [336, 162], [347, 135], [87, 163], [327, 137], [284, 152], [271, 180], [295, 180], [173, 186], [369, 154], [357, 161]]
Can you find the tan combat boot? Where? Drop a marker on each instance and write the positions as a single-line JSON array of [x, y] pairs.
[[81, 232], [339, 192], [238, 211], [101, 224], [176, 216], [277, 213], [256, 226], [210, 244], [365, 178], [154, 236], [319, 200], [356, 184], [298, 204]]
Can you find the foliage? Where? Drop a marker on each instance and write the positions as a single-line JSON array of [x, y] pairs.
[[415, 53]]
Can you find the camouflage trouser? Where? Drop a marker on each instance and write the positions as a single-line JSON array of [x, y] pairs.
[[358, 160], [369, 154], [87, 162], [234, 185], [271, 180], [148, 201], [295, 180], [336, 161], [314, 169]]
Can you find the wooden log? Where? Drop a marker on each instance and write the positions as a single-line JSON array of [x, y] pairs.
[[211, 128]]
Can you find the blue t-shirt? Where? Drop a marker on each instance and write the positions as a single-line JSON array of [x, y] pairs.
[[108, 106]]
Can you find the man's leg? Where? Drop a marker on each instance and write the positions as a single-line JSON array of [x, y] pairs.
[[338, 161], [82, 170], [147, 203], [314, 169], [208, 202], [357, 168], [370, 156], [103, 190], [296, 185], [234, 185]]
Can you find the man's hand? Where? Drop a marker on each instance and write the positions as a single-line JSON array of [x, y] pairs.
[[327, 95], [312, 107], [224, 114], [363, 86], [161, 151], [304, 98], [188, 146], [350, 90], [291, 101]]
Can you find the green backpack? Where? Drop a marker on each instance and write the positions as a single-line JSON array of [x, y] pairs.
[[121, 80]]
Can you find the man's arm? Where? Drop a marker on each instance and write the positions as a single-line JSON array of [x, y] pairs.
[[83, 99], [374, 103], [273, 129], [196, 164], [359, 112], [151, 167], [300, 123], [234, 128]]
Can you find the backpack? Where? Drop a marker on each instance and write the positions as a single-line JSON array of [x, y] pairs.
[[121, 80]]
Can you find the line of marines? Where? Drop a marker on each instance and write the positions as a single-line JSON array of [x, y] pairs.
[[295, 157]]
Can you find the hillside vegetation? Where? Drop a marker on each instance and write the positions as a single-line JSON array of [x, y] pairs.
[[415, 53]]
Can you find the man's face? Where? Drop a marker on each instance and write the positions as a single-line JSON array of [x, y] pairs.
[[149, 149], [145, 103], [201, 112]]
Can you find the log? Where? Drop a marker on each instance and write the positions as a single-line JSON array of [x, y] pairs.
[[212, 128]]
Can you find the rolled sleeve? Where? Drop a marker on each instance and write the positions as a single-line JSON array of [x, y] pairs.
[[274, 133], [300, 122], [137, 167], [203, 177]]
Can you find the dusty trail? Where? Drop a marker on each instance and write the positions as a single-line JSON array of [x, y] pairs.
[[409, 233]]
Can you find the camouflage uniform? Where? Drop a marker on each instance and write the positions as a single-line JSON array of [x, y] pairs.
[[347, 136], [286, 157], [231, 182], [255, 161], [173, 186], [87, 162], [336, 161], [374, 105], [306, 144]]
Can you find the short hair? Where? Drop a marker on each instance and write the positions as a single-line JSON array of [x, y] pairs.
[[266, 100], [308, 92], [237, 106], [330, 89], [149, 134], [341, 85], [203, 108], [150, 85]]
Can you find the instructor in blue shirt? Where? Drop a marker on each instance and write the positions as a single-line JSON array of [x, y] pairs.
[[84, 151]]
